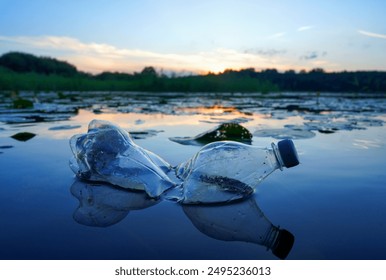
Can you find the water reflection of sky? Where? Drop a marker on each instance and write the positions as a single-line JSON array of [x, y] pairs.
[[333, 202]]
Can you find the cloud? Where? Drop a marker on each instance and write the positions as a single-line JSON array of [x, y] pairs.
[[277, 35], [74, 45], [265, 52], [313, 55], [96, 57], [304, 28], [371, 34]]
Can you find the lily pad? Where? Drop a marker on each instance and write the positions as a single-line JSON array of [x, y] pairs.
[[285, 133], [22, 104], [225, 131], [64, 127], [222, 120], [23, 136], [6, 147], [143, 134]]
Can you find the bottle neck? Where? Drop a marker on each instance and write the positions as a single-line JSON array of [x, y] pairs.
[[276, 152], [271, 237]]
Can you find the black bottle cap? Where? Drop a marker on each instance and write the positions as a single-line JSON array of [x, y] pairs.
[[283, 245]]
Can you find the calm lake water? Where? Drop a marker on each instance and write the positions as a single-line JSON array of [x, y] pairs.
[[333, 202]]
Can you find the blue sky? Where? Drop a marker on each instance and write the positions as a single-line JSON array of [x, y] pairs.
[[199, 36]]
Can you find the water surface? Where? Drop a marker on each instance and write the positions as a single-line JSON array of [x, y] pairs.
[[333, 202]]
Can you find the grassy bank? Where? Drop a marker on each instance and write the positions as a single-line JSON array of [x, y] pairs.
[[19, 71], [10, 80]]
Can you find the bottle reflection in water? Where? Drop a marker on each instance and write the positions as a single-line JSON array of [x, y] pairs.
[[102, 205], [242, 221]]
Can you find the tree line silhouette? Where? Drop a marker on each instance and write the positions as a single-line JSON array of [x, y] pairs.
[[22, 71]]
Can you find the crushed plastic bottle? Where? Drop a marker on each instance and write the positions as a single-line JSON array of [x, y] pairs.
[[224, 171], [107, 153], [220, 172]]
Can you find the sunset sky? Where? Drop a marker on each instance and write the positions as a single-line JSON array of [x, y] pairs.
[[199, 36]]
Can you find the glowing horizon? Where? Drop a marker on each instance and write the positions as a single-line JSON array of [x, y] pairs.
[[97, 58]]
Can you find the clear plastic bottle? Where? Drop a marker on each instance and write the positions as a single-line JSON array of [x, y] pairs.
[[224, 171]]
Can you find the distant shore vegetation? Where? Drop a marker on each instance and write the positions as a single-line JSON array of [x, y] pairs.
[[22, 71]]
